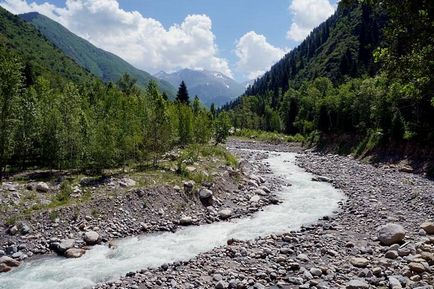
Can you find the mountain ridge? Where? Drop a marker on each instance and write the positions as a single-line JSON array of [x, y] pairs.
[[106, 65], [209, 86]]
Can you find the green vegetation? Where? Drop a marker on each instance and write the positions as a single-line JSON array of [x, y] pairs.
[[37, 55], [267, 136], [103, 64], [349, 78], [55, 120]]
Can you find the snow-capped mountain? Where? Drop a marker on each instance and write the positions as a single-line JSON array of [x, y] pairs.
[[209, 86]]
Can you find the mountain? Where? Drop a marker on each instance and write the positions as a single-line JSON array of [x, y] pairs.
[[103, 64], [209, 86], [39, 55], [340, 48]]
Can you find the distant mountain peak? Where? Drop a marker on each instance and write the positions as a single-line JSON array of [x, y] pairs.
[[209, 86]]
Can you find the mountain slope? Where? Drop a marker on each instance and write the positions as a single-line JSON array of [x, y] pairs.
[[339, 48], [103, 64], [209, 86], [37, 52]]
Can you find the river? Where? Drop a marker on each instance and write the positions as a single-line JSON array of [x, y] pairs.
[[303, 203]]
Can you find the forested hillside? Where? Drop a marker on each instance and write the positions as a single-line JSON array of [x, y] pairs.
[[53, 114], [348, 78], [103, 64], [340, 48], [38, 55]]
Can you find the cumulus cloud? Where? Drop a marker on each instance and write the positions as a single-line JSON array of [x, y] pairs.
[[256, 55], [308, 14], [142, 41]]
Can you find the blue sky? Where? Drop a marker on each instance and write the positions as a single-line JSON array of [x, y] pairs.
[[246, 37]]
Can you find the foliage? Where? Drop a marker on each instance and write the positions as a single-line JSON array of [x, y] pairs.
[[222, 125], [272, 137], [182, 95]]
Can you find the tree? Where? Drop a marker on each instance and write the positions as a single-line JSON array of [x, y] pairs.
[[11, 83], [158, 135], [222, 125], [127, 85], [182, 95], [185, 124], [214, 113]]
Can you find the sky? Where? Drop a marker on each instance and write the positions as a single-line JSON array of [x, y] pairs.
[[240, 38]]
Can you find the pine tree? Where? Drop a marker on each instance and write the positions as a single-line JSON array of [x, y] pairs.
[[182, 96]]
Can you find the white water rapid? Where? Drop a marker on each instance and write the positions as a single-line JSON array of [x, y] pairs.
[[304, 202]]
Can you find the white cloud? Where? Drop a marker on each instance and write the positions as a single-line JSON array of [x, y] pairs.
[[256, 55], [308, 14], [141, 41]]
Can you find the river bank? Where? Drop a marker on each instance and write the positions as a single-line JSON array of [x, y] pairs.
[[342, 251]]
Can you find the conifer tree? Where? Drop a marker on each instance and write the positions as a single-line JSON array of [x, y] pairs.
[[182, 95]]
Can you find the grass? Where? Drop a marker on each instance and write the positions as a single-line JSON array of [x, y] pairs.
[[205, 158], [371, 140], [272, 137]]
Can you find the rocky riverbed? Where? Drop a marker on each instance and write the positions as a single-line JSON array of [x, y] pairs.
[[382, 237], [70, 230]]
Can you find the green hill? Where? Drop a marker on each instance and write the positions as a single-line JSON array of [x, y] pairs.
[[103, 64], [24, 40], [340, 48]]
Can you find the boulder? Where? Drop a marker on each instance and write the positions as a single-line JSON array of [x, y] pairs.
[[65, 245], [416, 267], [186, 221], [206, 197], [127, 183], [188, 186], [91, 238], [428, 227], [225, 214], [42, 187], [255, 199], [4, 268], [359, 262], [74, 253], [8, 261], [391, 234]]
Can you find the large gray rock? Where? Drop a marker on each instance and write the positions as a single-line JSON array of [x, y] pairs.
[[391, 234], [225, 214], [8, 261], [74, 253], [206, 197], [65, 245], [127, 183], [91, 238], [42, 187], [428, 227]]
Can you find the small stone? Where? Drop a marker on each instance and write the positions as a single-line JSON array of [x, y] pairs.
[[394, 283], [127, 183], [221, 285], [255, 199], [428, 227], [357, 284], [315, 272], [391, 255], [359, 262]]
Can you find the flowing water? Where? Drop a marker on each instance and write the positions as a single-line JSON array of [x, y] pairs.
[[304, 202]]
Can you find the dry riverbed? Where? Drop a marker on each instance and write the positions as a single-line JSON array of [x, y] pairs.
[[379, 239]]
